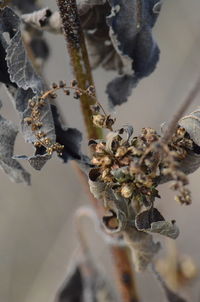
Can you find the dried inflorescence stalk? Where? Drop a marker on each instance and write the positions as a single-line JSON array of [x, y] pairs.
[[38, 102]]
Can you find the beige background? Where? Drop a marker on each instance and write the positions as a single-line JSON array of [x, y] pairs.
[[37, 235]]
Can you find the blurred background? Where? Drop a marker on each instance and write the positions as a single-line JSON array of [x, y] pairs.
[[37, 236]]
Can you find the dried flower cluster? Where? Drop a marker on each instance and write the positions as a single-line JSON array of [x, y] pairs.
[[36, 103], [134, 166]]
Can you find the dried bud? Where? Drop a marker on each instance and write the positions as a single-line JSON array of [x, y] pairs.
[[37, 144], [67, 91], [100, 148], [54, 85], [62, 84], [28, 120], [74, 83], [109, 122], [99, 120], [127, 190], [40, 134], [31, 103], [95, 108], [121, 151], [91, 90], [106, 161]]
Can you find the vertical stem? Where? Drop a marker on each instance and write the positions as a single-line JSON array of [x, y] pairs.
[[80, 63], [79, 59]]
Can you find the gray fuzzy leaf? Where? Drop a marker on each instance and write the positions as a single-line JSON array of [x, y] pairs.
[[97, 187], [28, 83], [130, 24], [10, 166], [191, 123], [36, 161], [152, 221]]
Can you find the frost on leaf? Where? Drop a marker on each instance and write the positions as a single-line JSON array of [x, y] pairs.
[[9, 165]]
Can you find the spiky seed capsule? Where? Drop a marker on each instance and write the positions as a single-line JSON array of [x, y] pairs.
[[99, 120]]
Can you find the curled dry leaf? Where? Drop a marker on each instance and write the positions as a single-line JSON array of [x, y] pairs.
[[24, 76], [130, 28], [11, 166], [152, 221]]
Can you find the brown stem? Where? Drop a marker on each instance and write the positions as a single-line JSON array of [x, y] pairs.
[[122, 260], [79, 59], [184, 106]]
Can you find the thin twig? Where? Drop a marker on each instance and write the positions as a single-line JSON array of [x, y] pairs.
[[184, 106]]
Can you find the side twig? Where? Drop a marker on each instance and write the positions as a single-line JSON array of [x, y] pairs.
[[184, 106]]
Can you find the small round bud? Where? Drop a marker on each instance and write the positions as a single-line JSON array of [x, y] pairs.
[[99, 120], [54, 85], [62, 84], [127, 190], [74, 83]]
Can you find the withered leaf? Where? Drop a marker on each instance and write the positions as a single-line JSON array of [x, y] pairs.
[[85, 283], [191, 123], [15, 171], [130, 24], [70, 138], [152, 221], [120, 209], [26, 79], [97, 187]]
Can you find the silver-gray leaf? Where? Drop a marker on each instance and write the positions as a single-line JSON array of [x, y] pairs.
[[10, 166]]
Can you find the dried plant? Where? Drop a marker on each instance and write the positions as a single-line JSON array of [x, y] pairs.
[[123, 172]]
